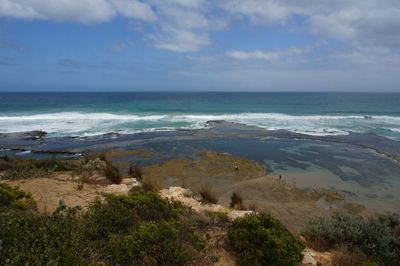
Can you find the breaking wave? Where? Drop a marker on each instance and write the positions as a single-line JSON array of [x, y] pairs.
[[86, 124]]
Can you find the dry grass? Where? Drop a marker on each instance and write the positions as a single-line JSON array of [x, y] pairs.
[[207, 195], [135, 171], [150, 185], [319, 243], [253, 207], [345, 257], [112, 173], [237, 202]]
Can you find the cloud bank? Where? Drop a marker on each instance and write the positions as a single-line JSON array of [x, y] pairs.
[[185, 25], [356, 43]]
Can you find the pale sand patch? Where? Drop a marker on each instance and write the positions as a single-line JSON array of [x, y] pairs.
[[63, 187]]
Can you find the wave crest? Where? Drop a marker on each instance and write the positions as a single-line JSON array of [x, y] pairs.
[[79, 123]]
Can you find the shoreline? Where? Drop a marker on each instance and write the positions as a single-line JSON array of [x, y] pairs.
[[327, 165]]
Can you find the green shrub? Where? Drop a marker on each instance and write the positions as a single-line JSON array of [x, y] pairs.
[[259, 239], [137, 229], [112, 173], [35, 168], [105, 218], [33, 239], [207, 195], [148, 206], [377, 236], [218, 218], [13, 197], [151, 244]]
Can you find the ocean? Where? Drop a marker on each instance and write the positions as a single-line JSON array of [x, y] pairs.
[[95, 113]]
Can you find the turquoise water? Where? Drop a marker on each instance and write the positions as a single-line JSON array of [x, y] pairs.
[[82, 114]]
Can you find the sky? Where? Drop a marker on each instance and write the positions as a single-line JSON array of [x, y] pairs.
[[185, 45]]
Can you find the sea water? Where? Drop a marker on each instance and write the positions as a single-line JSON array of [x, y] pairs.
[[94, 113]]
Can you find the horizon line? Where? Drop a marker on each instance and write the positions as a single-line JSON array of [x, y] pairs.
[[188, 91]]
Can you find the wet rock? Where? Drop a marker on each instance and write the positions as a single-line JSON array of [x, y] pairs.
[[214, 122], [28, 135]]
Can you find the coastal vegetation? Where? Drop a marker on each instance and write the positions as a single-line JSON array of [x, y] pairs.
[[207, 195], [112, 173], [14, 198], [260, 239], [139, 228], [142, 228], [150, 185], [135, 172], [12, 168], [376, 238], [236, 202]]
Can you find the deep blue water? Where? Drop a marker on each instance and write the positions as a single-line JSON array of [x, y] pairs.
[[96, 113]]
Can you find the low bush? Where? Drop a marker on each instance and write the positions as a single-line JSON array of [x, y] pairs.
[[151, 244], [207, 195], [112, 173], [14, 198], [237, 202], [260, 239], [343, 256], [219, 219], [378, 237], [150, 185], [33, 239], [14, 168], [138, 229], [135, 172]]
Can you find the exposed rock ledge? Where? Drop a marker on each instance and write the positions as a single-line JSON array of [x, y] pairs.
[[187, 197]]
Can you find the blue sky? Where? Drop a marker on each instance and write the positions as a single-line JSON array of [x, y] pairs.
[[249, 45]]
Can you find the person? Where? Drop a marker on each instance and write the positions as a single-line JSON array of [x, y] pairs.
[[280, 177], [236, 167]]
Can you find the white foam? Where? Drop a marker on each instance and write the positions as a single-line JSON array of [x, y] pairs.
[[394, 129], [23, 152], [73, 116], [89, 124]]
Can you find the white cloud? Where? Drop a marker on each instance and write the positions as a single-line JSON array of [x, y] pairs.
[[243, 55], [135, 9], [179, 40], [80, 11], [374, 21], [379, 25], [184, 25], [258, 11], [266, 55], [368, 55], [187, 3]]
